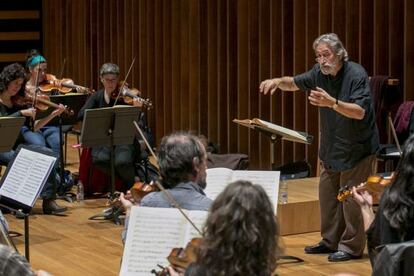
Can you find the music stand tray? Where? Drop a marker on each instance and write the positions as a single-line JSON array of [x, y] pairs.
[[98, 122], [9, 131]]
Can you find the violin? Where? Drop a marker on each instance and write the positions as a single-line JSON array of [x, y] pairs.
[[42, 102], [138, 191], [129, 94], [374, 184], [182, 257], [64, 85]]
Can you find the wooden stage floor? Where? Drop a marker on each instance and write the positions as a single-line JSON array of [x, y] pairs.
[[74, 245]]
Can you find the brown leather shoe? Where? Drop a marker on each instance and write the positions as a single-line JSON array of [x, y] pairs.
[[50, 207]]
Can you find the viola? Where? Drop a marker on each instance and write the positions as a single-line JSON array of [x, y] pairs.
[[141, 189], [374, 184], [182, 257], [65, 85], [42, 102], [138, 191], [129, 94]]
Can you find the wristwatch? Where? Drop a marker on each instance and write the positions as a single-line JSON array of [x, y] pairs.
[[335, 105]]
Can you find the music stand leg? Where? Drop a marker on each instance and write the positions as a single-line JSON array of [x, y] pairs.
[[113, 212], [26, 237]]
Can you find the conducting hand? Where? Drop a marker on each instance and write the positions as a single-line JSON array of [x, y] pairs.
[[321, 98], [269, 85]]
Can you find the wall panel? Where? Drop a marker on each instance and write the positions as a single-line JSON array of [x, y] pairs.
[[201, 61]]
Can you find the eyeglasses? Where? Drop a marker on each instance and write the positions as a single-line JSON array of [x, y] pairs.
[[109, 80], [323, 57]]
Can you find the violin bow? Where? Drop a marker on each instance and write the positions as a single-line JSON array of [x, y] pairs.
[[123, 84], [32, 120], [63, 68], [394, 133], [168, 195]]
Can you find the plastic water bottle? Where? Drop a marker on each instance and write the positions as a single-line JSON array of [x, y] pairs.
[[283, 190], [80, 193]]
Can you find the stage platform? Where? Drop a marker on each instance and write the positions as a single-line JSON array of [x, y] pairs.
[[301, 213]]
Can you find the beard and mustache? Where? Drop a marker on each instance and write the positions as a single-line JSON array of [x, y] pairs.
[[329, 68]]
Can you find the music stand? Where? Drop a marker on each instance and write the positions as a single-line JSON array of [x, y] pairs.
[[109, 126], [23, 182], [74, 102], [275, 132]]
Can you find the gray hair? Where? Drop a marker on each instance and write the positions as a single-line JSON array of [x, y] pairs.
[[109, 68], [176, 155], [332, 40]]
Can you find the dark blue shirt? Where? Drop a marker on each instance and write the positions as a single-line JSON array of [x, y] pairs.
[[344, 141]]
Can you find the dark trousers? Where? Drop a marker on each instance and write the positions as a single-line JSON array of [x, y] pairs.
[[124, 162], [342, 227]]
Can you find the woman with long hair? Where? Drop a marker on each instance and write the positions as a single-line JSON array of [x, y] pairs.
[[394, 221], [12, 80], [240, 236]]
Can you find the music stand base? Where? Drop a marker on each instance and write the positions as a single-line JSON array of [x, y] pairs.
[[112, 213]]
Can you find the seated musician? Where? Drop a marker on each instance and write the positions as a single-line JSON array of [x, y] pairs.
[[182, 163], [46, 136], [393, 223], [124, 154], [240, 236], [12, 80]]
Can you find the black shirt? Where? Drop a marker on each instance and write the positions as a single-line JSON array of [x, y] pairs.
[[96, 100], [344, 141]]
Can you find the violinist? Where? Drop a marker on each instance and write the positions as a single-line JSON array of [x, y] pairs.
[[394, 220], [124, 154], [12, 80], [46, 136], [240, 236], [182, 160]]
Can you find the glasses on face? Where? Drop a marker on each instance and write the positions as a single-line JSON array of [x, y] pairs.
[[323, 57], [110, 80]]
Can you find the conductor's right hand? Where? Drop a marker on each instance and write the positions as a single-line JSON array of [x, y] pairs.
[[269, 85]]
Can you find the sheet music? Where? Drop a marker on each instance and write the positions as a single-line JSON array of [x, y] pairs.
[[199, 219], [219, 178], [28, 172], [269, 180], [152, 234], [281, 129]]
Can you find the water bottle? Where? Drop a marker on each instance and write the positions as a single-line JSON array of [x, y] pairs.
[[283, 190], [80, 193]]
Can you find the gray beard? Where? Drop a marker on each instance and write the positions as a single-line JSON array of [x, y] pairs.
[[329, 68], [202, 183]]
